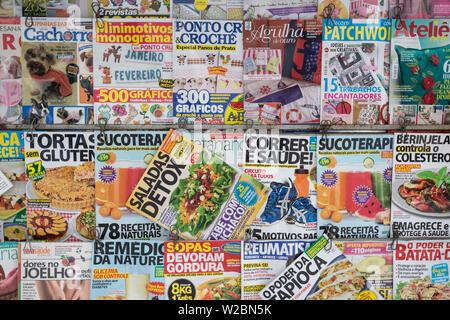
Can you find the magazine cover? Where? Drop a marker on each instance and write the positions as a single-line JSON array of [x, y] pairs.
[[421, 9], [9, 271], [374, 260], [57, 69], [354, 177], [355, 69], [13, 198], [134, 8], [10, 71], [286, 164], [420, 187], [60, 187], [121, 158], [127, 270], [263, 261], [421, 270], [207, 10], [11, 8], [207, 71], [282, 71], [355, 9], [54, 271], [193, 192], [202, 270], [56, 8], [420, 72], [281, 9], [133, 71], [321, 272]]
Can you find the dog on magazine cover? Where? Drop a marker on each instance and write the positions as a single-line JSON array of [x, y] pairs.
[[87, 57], [69, 117], [38, 112], [86, 84]]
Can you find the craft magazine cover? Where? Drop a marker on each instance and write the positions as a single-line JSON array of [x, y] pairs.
[[9, 271], [420, 72], [133, 71], [263, 261], [121, 158], [207, 71], [281, 9], [286, 164], [11, 8], [10, 71], [420, 9], [354, 181], [127, 270], [57, 8], [134, 8], [195, 194], [202, 270], [55, 271], [207, 10], [60, 186], [420, 186], [13, 200], [354, 9], [282, 71]]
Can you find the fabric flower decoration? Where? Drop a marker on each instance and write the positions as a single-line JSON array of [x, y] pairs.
[[264, 90], [428, 83], [435, 59], [415, 70], [428, 98]]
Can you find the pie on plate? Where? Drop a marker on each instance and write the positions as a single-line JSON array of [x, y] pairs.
[[85, 223], [45, 225]]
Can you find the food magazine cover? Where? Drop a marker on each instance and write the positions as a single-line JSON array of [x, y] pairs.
[[420, 72], [420, 9], [354, 180], [60, 188], [355, 69], [207, 71], [121, 158], [127, 270], [13, 201], [57, 82], [321, 272], [11, 8], [57, 8], [202, 270], [194, 193], [354, 9], [420, 186], [421, 270], [134, 8], [9, 271], [281, 9], [207, 10], [286, 164], [263, 261], [54, 271], [10, 71], [133, 71]]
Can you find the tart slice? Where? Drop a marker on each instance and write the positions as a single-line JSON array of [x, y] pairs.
[[46, 225]]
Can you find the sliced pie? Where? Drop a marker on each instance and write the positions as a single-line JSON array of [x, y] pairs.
[[45, 225]]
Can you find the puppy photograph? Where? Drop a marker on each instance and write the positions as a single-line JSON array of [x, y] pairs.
[[37, 113], [70, 115]]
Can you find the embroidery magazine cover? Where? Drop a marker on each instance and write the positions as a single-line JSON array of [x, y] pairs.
[[374, 260], [421, 270], [133, 71], [420, 187], [55, 271], [207, 10], [280, 9], [57, 83], [354, 181], [121, 158], [202, 270], [11, 8], [286, 164], [10, 71], [282, 71], [57, 8], [207, 71], [355, 69], [134, 8], [355, 9], [13, 201], [321, 272], [263, 261], [421, 9], [60, 187], [192, 192], [9, 271], [127, 270], [420, 73]]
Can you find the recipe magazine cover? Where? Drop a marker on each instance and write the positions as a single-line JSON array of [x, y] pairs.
[[121, 158], [192, 192], [280, 9], [374, 260], [421, 9], [207, 10], [282, 71], [127, 270], [9, 271], [355, 69], [133, 71], [13, 201], [11, 8], [286, 164], [321, 272], [420, 187], [57, 8], [421, 270], [10, 71], [57, 82], [420, 72], [55, 271], [207, 71], [263, 261], [134, 8], [60, 186], [202, 270], [354, 9], [354, 177]]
